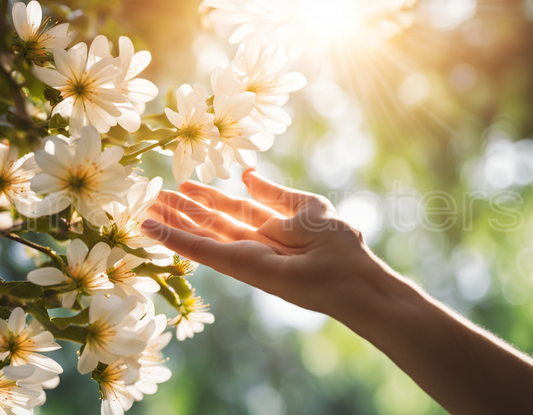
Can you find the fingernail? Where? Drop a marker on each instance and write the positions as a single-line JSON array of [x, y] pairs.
[[149, 227]]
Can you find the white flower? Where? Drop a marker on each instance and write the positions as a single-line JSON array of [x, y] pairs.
[[33, 377], [119, 271], [16, 396], [193, 315], [84, 274], [81, 174], [88, 87], [240, 135], [38, 37], [310, 21], [115, 397], [22, 344], [151, 372], [197, 137], [128, 218], [250, 16], [258, 65], [15, 176], [136, 91], [109, 333]]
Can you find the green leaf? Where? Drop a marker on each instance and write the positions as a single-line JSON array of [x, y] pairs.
[[53, 96], [54, 225], [4, 312], [79, 319], [57, 125], [24, 290]]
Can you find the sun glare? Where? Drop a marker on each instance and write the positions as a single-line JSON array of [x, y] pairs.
[[330, 19]]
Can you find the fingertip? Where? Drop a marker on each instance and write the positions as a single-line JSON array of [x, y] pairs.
[[248, 175], [151, 228], [186, 185]]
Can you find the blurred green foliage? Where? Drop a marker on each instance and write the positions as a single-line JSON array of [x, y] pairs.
[[468, 134]]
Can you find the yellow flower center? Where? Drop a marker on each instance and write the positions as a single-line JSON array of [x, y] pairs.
[[17, 346], [99, 334]]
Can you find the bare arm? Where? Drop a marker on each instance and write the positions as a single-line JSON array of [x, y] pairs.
[[292, 244]]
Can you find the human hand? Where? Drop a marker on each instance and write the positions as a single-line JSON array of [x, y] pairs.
[[288, 243], [294, 245]]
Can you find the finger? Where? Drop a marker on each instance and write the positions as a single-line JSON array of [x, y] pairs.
[[248, 261], [212, 220], [244, 210], [171, 217], [280, 198]]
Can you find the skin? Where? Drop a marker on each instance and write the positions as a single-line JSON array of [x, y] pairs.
[[294, 245]]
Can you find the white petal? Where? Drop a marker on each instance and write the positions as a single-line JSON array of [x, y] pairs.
[[20, 20], [141, 90], [290, 82], [110, 156], [207, 318], [129, 118], [53, 203], [18, 372], [246, 158], [68, 299], [97, 258], [121, 309], [44, 362], [182, 163], [69, 64], [4, 331], [47, 276], [77, 119], [126, 343], [44, 183], [87, 362], [156, 374], [99, 307], [50, 77], [95, 214], [138, 63], [34, 15], [126, 51], [76, 254], [175, 118], [88, 147], [99, 49], [17, 320]]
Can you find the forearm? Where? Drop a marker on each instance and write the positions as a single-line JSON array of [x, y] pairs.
[[463, 367]]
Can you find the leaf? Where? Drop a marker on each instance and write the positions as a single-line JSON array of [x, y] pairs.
[[4, 312], [57, 125], [23, 290], [147, 132], [79, 319], [53, 96], [53, 225]]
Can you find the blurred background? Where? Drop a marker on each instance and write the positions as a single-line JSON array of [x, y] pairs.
[[422, 139]]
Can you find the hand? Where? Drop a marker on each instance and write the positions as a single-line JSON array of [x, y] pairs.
[[288, 243], [293, 244]]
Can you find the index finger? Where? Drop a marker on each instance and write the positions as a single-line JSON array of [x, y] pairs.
[[248, 261]]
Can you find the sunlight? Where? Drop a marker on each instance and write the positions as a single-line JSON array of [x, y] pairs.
[[329, 19]]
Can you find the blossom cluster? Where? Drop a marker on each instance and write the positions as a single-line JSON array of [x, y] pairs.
[[78, 183]]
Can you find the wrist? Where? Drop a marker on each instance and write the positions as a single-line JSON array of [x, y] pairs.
[[376, 300]]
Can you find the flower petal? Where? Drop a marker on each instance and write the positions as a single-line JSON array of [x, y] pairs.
[[47, 276], [49, 76], [87, 362], [17, 320]]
